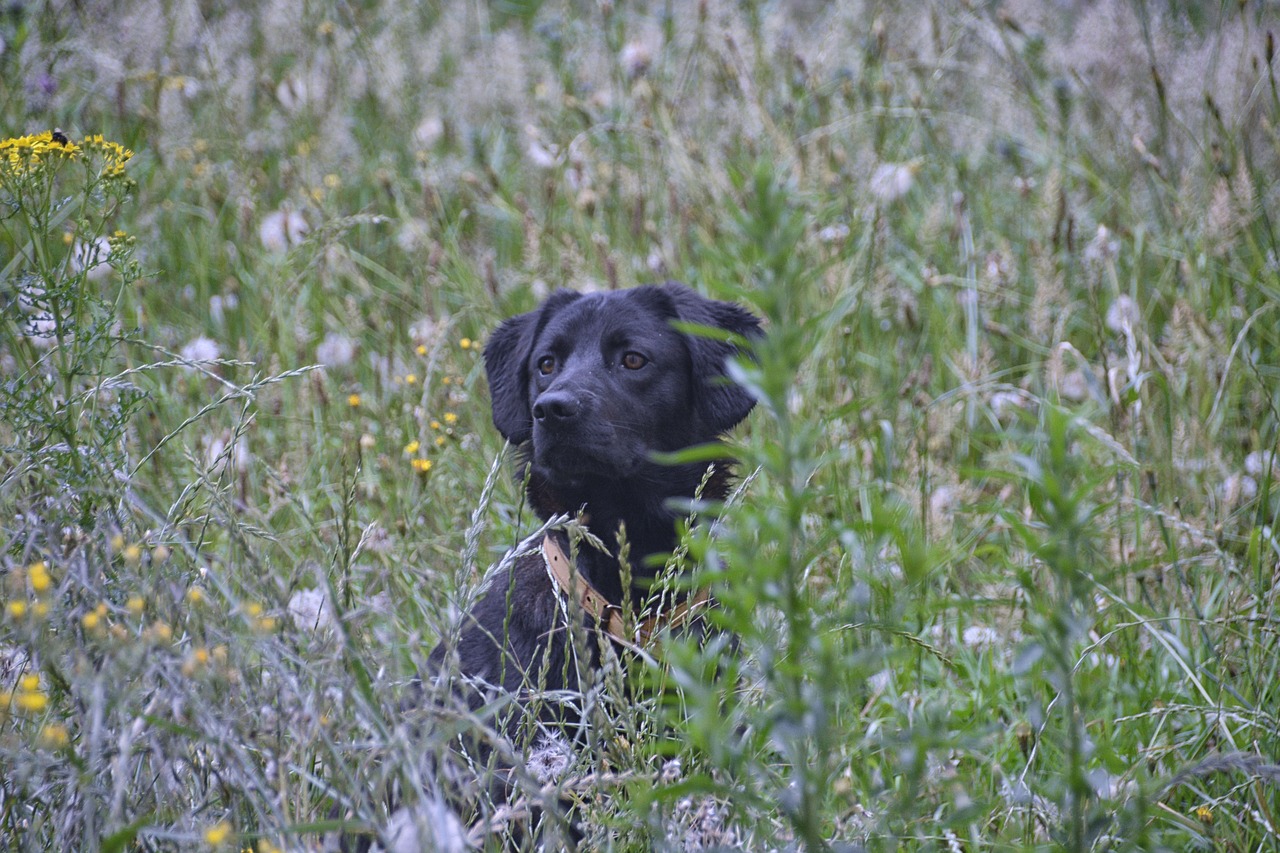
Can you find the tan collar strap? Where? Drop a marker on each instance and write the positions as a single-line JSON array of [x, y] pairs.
[[608, 615]]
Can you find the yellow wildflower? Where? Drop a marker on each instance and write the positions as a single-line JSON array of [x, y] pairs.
[[441, 440], [422, 466], [54, 736], [353, 400], [39, 576], [217, 834], [435, 425], [465, 343], [160, 553], [117, 543], [410, 379], [1205, 815], [132, 554], [40, 609], [411, 448], [422, 349], [33, 701], [450, 418], [91, 621], [16, 609], [159, 631], [29, 682], [195, 595]]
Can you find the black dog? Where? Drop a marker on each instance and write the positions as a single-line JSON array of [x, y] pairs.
[[592, 387]]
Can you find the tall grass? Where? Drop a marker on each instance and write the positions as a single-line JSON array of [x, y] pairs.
[[1002, 569]]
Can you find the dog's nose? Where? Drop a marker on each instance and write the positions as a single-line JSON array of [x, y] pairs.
[[556, 407]]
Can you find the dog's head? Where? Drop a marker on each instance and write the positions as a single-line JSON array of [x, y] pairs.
[[598, 383]]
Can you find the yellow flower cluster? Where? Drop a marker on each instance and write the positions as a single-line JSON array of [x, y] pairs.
[[37, 575], [29, 698], [114, 155], [21, 155]]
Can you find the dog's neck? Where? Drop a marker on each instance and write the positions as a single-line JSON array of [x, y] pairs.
[[609, 506]]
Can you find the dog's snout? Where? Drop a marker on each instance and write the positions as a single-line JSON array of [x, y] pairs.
[[556, 407]]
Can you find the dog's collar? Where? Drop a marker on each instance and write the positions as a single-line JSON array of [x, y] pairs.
[[607, 615]]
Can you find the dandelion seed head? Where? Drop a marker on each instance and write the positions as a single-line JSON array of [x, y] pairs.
[[429, 131], [336, 350], [549, 759], [980, 637], [201, 349], [1261, 464], [282, 229], [891, 181], [310, 611], [1122, 312]]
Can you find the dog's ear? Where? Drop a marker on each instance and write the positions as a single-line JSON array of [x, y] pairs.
[[506, 363], [720, 402]]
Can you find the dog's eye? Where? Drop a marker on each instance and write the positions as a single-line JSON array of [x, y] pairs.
[[547, 365], [633, 360]]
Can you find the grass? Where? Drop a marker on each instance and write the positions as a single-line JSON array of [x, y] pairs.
[[1003, 571]]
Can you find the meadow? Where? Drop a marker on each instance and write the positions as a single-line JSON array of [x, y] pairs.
[[1002, 566]]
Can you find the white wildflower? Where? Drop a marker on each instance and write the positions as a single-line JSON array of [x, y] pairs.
[[283, 229], [335, 350], [891, 181], [310, 611], [1123, 312], [91, 258], [201, 349]]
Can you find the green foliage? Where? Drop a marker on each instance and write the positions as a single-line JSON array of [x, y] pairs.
[[1001, 570]]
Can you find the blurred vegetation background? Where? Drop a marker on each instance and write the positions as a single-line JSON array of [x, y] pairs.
[[1003, 571]]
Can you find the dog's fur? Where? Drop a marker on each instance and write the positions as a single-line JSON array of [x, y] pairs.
[[591, 387]]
